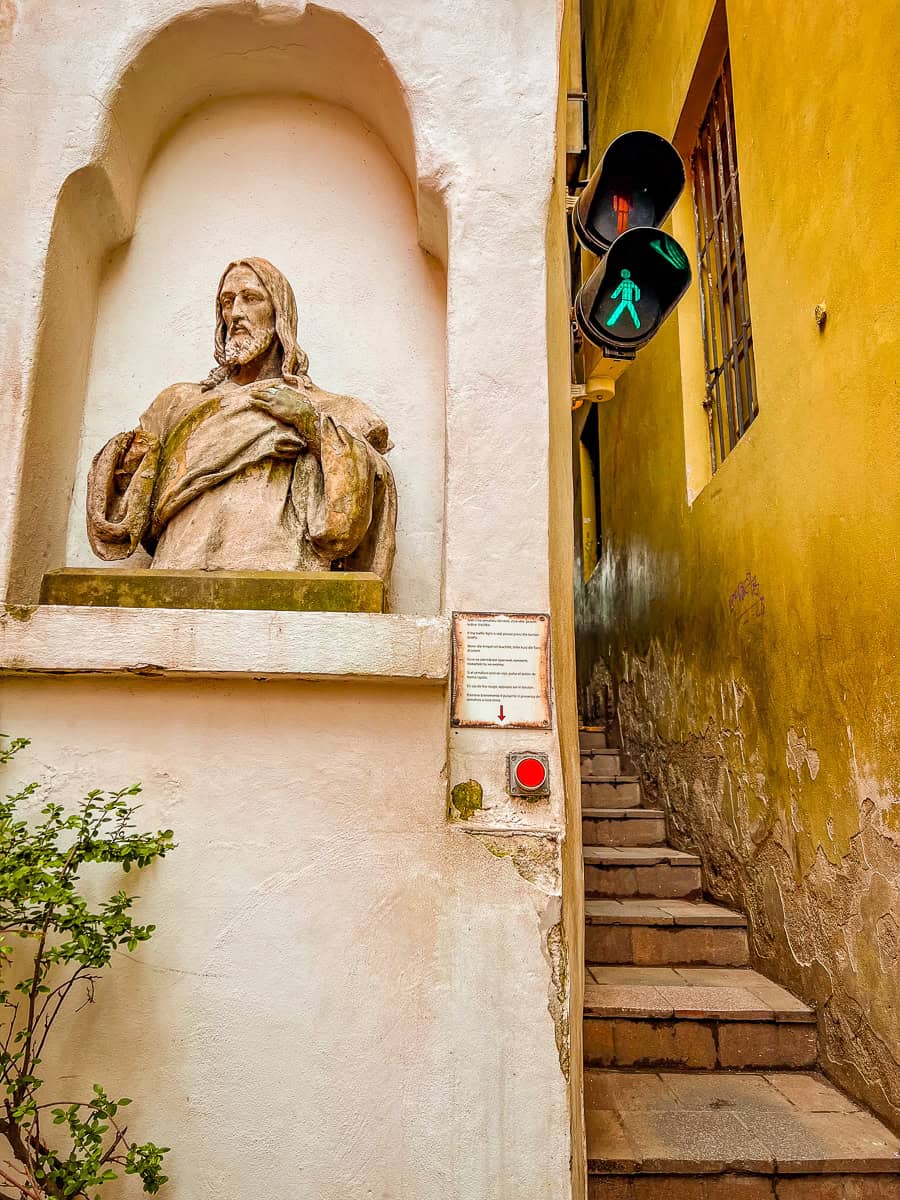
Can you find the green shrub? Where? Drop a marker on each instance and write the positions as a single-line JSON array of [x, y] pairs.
[[54, 947]]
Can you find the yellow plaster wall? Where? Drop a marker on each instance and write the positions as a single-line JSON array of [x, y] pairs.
[[771, 728]]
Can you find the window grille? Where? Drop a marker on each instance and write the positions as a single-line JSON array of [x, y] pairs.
[[731, 402]]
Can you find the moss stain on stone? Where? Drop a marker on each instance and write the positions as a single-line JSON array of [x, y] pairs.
[[467, 798], [293, 591], [20, 612]]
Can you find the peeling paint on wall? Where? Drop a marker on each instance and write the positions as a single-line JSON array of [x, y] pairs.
[[537, 859], [558, 1003], [799, 755]]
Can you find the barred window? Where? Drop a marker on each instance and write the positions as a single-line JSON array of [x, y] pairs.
[[731, 402]]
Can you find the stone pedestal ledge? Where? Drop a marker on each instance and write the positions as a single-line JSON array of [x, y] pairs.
[[292, 591], [61, 639]]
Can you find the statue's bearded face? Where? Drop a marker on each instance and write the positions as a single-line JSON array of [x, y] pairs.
[[249, 316]]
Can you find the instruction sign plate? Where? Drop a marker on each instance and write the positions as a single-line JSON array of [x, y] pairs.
[[501, 671]]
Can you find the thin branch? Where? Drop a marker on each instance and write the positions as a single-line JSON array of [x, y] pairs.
[[64, 989], [35, 1136], [89, 998], [9, 1036], [24, 1188], [12, 1131], [48, 998], [25, 1068], [27, 1061], [69, 1104], [120, 1137]]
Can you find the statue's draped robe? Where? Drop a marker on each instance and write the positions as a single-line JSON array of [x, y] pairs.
[[223, 485]]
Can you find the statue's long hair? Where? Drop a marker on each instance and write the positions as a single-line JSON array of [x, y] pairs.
[[295, 362]]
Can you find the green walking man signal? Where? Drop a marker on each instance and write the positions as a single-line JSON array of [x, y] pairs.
[[630, 293]]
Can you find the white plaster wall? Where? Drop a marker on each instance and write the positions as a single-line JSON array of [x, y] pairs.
[[345, 998], [480, 84], [480, 81], [376, 980], [310, 187]]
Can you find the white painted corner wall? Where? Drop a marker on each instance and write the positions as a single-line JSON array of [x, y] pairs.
[[349, 995]]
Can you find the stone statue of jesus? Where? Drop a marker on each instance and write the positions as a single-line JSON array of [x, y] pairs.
[[255, 468]]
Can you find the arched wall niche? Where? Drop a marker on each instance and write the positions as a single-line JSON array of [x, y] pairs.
[[236, 51]]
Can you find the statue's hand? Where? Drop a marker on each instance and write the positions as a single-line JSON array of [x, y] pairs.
[[134, 453], [292, 408]]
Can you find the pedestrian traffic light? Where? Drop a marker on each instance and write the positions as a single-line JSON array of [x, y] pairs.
[[643, 272], [629, 295]]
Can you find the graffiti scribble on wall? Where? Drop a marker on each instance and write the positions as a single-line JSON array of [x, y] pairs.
[[746, 602]]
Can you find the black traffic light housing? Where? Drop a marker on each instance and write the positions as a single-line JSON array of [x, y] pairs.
[[643, 272], [639, 178]]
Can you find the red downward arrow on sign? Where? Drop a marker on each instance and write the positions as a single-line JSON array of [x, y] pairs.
[[502, 717]]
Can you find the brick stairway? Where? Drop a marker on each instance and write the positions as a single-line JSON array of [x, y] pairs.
[[700, 1073]]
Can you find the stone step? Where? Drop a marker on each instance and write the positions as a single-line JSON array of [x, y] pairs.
[[612, 791], [623, 826], [664, 932], [601, 763], [708, 1018], [641, 871], [592, 737], [733, 1136]]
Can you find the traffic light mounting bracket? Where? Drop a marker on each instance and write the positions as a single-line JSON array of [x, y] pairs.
[[601, 372]]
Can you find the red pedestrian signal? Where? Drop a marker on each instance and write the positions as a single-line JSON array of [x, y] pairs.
[[622, 206]]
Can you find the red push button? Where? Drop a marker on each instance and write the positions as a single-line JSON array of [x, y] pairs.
[[530, 773]]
